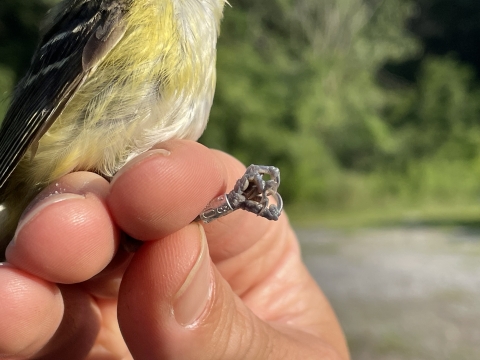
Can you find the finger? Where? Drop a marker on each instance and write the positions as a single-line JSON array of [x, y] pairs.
[[67, 236], [162, 190], [109, 344], [78, 330], [187, 311], [106, 284], [30, 312]]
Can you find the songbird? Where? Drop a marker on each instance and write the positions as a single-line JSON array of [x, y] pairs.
[[109, 79]]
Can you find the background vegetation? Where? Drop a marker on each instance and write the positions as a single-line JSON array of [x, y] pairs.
[[361, 103]]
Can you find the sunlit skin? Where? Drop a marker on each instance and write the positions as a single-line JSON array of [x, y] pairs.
[[251, 297]]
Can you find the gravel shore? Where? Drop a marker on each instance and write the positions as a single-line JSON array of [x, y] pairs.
[[401, 293]]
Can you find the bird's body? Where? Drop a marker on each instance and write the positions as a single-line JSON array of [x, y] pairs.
[[110, 79]]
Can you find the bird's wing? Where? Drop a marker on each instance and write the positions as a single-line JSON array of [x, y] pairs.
[[79, 35]]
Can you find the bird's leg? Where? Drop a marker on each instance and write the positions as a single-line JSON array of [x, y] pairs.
[[250, 193]]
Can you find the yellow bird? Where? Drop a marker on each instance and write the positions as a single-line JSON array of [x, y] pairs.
[[109, 79]]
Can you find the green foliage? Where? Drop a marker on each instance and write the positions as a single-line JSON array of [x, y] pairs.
[[19, 22], [438, 129], [304, 95]]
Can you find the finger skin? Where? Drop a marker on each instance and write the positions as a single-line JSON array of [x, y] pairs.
[[149, 318], [227, 329], [68, 235], [78, 329], [66, 241], [162, 193], [30, 312]]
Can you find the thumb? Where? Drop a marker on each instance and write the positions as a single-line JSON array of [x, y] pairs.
[[173, 304]]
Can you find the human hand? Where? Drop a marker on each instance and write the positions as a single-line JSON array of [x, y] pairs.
[[232, 289]]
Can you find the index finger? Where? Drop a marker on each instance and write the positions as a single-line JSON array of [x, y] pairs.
[[163, 190]]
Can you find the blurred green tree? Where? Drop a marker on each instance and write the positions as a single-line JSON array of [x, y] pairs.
[[297, 88]]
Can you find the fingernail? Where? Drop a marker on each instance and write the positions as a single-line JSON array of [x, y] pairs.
[[137, 160], [33, 211], [193, 297]]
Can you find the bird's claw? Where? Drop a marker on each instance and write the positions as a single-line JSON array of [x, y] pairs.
[[251, 193]]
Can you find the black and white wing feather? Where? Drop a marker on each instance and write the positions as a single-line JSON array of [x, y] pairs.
[[79, 35]]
